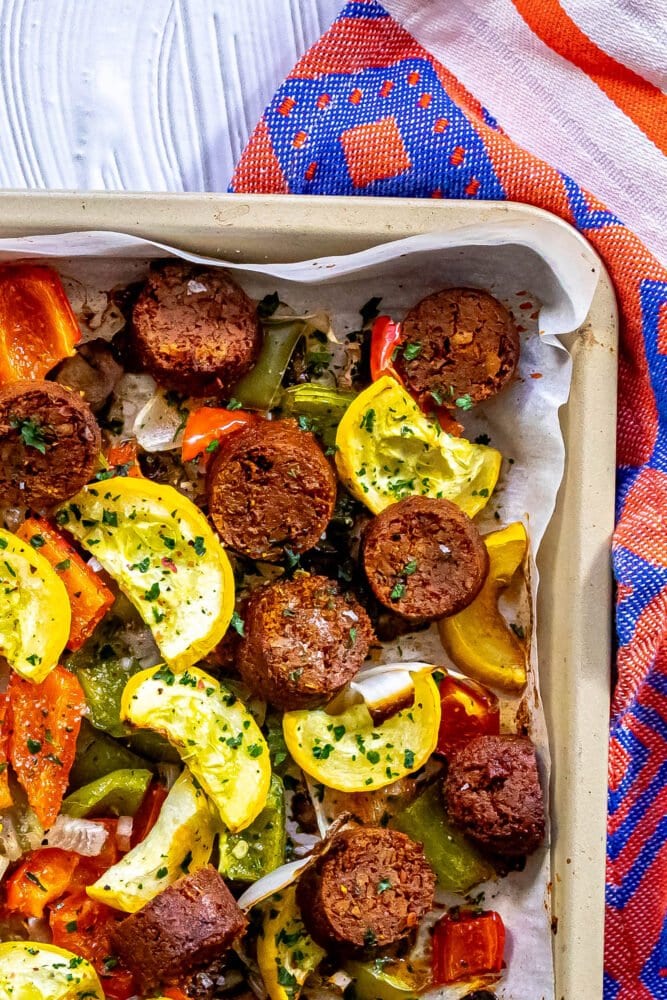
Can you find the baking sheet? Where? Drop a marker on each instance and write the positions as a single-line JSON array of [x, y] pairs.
[[522, 423]]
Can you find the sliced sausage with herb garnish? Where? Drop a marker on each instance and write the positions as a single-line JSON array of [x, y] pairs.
[[270, 489], [458, 346], [49, 443], [193, 921], [369, 891], [424, 558], [304, 640], [194, 329]]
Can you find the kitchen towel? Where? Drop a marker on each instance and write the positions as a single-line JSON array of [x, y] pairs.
[[369, 110]]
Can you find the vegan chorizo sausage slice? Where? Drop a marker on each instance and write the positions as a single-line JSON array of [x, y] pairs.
[[270, 488], [456, 343], [369, 891], [492, 792], [424, 558], [193, 921], [49, 443], [304, 640], [195, 330]]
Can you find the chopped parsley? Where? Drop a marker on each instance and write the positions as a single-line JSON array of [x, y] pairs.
[[410, 567], [37, 541], [162, 872], [166, 675], [153, 592], [368, 420], [198, 545], [255, 750], [63, 565], [464, 402], [237, 623], [408, 758], [110, 517], [397, 592], [32, 433], [322, 752], [34, 746], [412, 351], [383, 885]]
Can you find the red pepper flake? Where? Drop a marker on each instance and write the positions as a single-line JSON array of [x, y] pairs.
[[169, 564], [536, 374], [526, 305]]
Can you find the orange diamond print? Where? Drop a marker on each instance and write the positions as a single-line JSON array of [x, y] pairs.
[[374, 152]]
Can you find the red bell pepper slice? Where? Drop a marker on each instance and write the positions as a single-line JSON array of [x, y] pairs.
[[89, 598], [45, 723], [124, 456], [467, 710], [5, 793], [207, 425], [38, 327], [385, 338], [41, 878], [84, 926], [467, 944]]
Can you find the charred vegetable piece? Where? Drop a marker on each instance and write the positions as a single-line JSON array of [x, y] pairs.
[[213, 732], [387, 449], [89, 598], [286, 953], [457, 864], [478, 639], [30, 970], [468, 710], [161, 550], [38, 327], [257, 850], [318, 408], [45, 724], [349, 752], [181, 841], [119, 793], [98, 754], [35, 612], [467, 944]]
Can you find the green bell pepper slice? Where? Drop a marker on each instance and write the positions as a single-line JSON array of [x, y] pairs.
[[98, 754], [456, 863], [119, 793], [260, 848], [387, 979]]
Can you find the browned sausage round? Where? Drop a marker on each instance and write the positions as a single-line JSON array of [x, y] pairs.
[[369, 891], [303, 641], [424, 558], [492, 791], [270, 488], [456, 343], [49, 443], [195, 330], [193, 921]]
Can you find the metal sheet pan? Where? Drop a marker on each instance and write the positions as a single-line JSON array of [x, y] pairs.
[[575, 597]]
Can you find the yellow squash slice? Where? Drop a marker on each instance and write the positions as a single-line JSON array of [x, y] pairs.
[[30, 970], [213, 732], [387, 449], [164, 556]]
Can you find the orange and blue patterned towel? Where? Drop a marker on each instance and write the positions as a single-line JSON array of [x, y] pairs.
[[368, 111]]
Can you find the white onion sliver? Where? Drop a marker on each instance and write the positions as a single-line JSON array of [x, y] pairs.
[[168, 773], [79, 835], [124, 832], [384, 689], [159, 426], [4, 865], [273, 882]]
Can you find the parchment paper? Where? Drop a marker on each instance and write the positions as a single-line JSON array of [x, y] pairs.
[[549, 292]]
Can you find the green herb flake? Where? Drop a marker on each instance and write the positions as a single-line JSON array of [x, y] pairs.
[[32, 433], [367, 421], [238, 624], [153, 592], [464, 402], [383, 885], [198, 545], [412, 351], [408, 758], [63, 565], [397, 592]]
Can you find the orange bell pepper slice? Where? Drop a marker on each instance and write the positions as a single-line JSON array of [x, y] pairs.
[[38, 327], [5, 793], [41, 878], [124, 456], [84, 926], [467, 944], [207, 425], [89, 598], [45, 723]]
